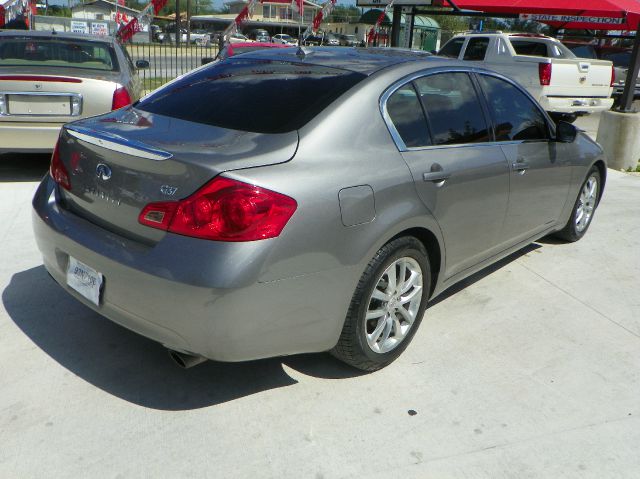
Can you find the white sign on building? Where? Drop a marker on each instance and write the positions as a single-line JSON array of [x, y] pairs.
[[79, 27], [99, 28]]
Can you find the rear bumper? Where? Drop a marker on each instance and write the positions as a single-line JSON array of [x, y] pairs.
[[28, 137], [233, 318], [575, 105]]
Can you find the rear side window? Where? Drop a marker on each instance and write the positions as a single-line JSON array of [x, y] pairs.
[[252, 95], [515, 116], [452, 49], [453, 109], [476, 49], [407, 116]]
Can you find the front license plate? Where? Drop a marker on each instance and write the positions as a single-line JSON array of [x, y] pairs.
[[85, 280]]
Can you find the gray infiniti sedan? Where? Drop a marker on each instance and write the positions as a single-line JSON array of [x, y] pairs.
[[291, 200]]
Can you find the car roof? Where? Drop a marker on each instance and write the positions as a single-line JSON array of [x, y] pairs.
[[360, 60], [55, 34]]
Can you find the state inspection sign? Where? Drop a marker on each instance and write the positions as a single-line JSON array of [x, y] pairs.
[[541, 17]]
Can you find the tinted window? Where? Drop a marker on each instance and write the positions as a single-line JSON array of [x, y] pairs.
[[407, 116], [43, 52], [583, 51], [526, 47], [452, 49], [252, 95], [515, 116], [453, 109], [476, 49]]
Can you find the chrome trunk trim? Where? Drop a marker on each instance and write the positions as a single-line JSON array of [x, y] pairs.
[[117, 143]]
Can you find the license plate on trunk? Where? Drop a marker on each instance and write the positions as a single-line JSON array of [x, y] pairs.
[[54, 105], [85, 280]]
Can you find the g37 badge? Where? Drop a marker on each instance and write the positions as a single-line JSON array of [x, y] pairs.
[[168, 190]]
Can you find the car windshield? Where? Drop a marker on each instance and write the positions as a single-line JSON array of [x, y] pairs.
[[260, 96], [49, 52]]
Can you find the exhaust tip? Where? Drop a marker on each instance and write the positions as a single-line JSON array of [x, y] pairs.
[[186, 361]]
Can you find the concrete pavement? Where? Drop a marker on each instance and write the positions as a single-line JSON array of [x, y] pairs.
[[530, 369]]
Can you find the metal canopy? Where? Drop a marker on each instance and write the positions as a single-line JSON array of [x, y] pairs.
[[614, 15], [577, 14]]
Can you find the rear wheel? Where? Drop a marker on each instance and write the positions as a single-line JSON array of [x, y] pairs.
[[583, 209], [387, 306]]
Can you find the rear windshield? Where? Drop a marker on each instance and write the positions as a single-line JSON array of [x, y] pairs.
[[47, 52], [252, 95], [541, 49]]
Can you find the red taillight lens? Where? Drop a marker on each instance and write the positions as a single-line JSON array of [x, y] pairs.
[[223, 210], [544, 72], [613, 76], [57, 170], [120, 98]]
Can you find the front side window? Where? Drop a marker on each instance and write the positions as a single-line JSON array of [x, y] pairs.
[[514, 115], [407, 116], [452, 49], [453, 109], [476, 49]]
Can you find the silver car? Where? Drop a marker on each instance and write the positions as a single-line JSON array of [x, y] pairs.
[[295, 200], [48, 79]]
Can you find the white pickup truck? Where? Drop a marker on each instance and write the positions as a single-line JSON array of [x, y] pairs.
[[554, 76]]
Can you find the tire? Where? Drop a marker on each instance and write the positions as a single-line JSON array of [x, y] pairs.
[[371, 344], [586, 204]]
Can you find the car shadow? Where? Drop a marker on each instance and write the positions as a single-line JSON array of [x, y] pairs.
[[137, 369], [23, 167]]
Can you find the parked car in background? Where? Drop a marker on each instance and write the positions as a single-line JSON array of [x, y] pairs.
[[561, 82], [619, 56], [259, 35], [238, 38], [331, 39], [232, 49], [48, 79], [284, 39], [369, 182], [348, 40]]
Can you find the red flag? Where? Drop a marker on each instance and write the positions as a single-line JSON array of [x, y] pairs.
[[300, 4], [317, 20]]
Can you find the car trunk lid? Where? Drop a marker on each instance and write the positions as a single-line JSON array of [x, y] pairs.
[[60, 95], [120, 162]]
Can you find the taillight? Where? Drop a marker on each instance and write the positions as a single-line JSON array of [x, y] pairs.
[[57, 170], [613, 76], [223, 210], [544, 73], [120, 98]]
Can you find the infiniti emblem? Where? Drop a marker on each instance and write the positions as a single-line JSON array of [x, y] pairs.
[[103, 171]]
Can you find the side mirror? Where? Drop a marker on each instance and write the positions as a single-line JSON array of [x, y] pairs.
[[142, 64], [206, 60], [565, 132]]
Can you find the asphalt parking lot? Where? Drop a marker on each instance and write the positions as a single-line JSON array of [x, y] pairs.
[[529, 369]]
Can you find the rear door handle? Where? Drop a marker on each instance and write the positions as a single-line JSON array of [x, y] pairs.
[[436, 176]]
